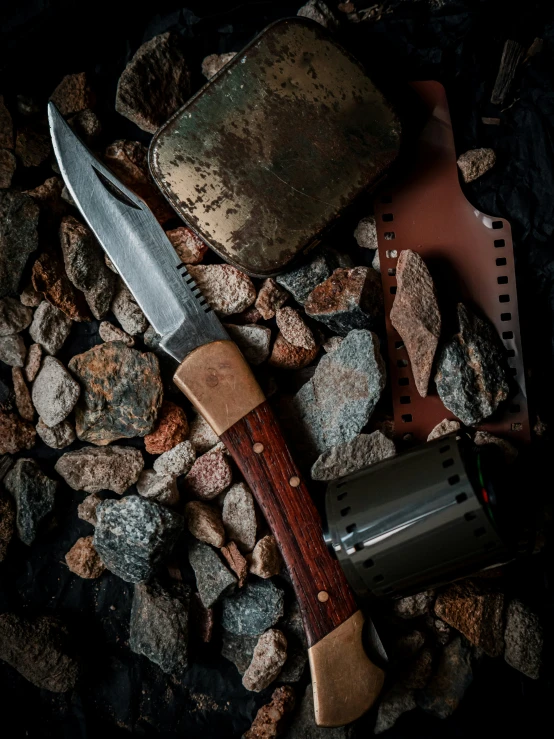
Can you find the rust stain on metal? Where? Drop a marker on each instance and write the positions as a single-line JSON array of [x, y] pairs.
[[265, 157]]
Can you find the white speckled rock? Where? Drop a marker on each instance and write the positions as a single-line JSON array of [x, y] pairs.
[[270, 297], [50, 327], [444, 427], [252, 340], [125, 308], [475, 162], [270, 654], [176, 461], [210, 475], [353, 455], [239, 517], [161, 488], [201, 435], [101, 468], [109, 332], [58, 436], [366, 233], [55, 392], [226, 288], [293, 328]]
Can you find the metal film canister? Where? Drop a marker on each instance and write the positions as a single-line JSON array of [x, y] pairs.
[[419, 519]]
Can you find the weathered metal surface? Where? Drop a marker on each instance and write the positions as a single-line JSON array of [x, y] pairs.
[[264, 158]]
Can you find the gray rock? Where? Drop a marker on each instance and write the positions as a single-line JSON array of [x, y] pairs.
[[510, 452], [293, 628], [301, 281], [254, 609], [160, 625], [319, 12], [213, 579], [160, 67], [30, 297], [54, 392], [106, 468], [270, 654], [338, 401], [238, 649], [176, 461], [523, 637], [86, 510], [33, 493], [85, 265], [366, 233], [303, 724], [109, 332], [161, 488], [252, 340], [226, 288], [13, 350], [413, 606], [126, 309], [18, 237], [50, 327], [471, 376], [133, 535], [354, 455], [239, 517], [14, 317], [57, 437], [152, 339], [397, 701], [202, 436], [448, 685]]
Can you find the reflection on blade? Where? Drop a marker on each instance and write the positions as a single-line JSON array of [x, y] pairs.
[[137, 245]]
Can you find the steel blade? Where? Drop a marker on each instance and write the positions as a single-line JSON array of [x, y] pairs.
[[137, 245]]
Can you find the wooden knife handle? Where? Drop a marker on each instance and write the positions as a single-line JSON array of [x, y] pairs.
[[218, 381]]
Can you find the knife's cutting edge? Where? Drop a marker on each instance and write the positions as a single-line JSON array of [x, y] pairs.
[[137, 245]]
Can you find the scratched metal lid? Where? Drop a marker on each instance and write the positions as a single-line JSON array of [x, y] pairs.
[[262, 160]]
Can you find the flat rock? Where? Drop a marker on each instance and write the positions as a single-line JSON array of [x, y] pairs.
[[126, 309], [349, 299], [448, 685], [252, 340], [270, 654], [6, 126], [160, 625], [38, 649], [366, 233], [189, 247], [351, 456], [19, 216], [121, 392], [55, 392], [86, 510], [210, 475], [214, 62], [287, 356], [272, 717], [476, 612], [50, 327], [161, 488], [447, 426], [294, 329], [395, 703], [171, 429], [471, 376], [83, 559], [13, 350], [177, 461], [524, 640], [133, 535], [226, 288], [253, 609], [271, 296], [266, 559], [58, 436], [238, 649], [160, 67], [8, 165], [202, 436], [93, 469], [475, 162], [108, 332], [7, 523], [85, 265], [213, 579], [33, 493], [236, 562], [239, 516], [415, 315], [14, 317], [50, 279], [32, 362], [73, 94], [338, 401], [15, 433], [204, 523], [22, 395]]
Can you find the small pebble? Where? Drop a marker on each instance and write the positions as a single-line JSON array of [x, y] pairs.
[[287, 356], [34, 495], [319, 12], [126, 309], [202, 436], [333, 343], [22, 395], [177, 461], [189, 247], [32, 363], [12, 350], [202, 619], [15, 433], [226, 288], [30, 297], [475, 162], [239, 517], [171, 429], [214, 62], [253, 609], [376, 262], [236, 562], [50, 327], [210, 475], [204, 522], [86, 125], [161, 488], [270, 655], [446, 426], [252, 340], [84, 560], [101, 468], [213, 579], [14, 317], [271, 718], [58, 436], [294, 329], [86, 510], [73, 94], [266, 559], [109, 332], [366, 233], [270, 297], [55, 392]]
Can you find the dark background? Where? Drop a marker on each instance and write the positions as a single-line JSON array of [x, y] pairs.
[[459, 44]]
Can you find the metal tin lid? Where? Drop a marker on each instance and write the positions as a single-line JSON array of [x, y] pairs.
[[267, 154]]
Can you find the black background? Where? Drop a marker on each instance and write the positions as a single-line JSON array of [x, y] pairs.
[[460, 45]]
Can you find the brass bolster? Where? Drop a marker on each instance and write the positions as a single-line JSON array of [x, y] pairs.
[[345, 681], [219, 383]]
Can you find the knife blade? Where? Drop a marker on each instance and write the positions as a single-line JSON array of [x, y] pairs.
[[216, 378]]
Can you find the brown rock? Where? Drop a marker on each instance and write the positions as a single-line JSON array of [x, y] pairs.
[[22, 395], [189, 247], [32, 146], [475, 162], [84, 560], [86, 125], [30, 297], [171, 429], [86, 510], [236, 562], [8, 165], [50, 327], [483, 437], [226, 288], [271, 718], [266, 560], [270, 655], [202, 436], [351, 456], [14, 317], [159, 68], [271, 297], [15, 434], [7, 522], [210, 475], [127, 311], [446, 426], [6, 126], [202, 618], [447, 687], [349, 299], [293, 328], [204, 522], [476, 612], [109, 332], [415, 315], [250, 315], [287, 356], [91, 469], [19, 216], [73, 94], [318, 11], [128, 160], [48, 197], [418, 672], [239, 517], [50, 279], [214, 62]]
